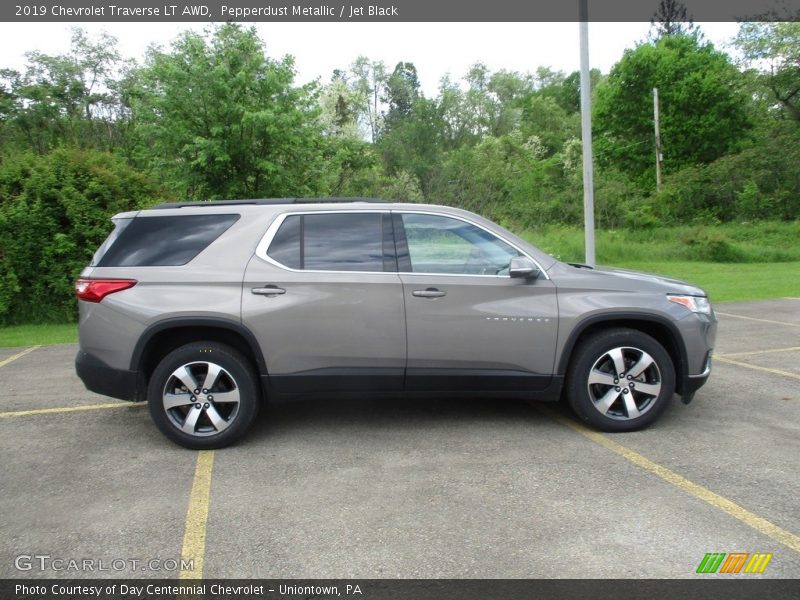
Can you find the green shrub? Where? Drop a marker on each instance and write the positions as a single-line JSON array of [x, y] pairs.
[[54, 212], [711, 246], [760, 182]]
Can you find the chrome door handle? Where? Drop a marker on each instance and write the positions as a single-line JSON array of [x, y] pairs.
[[429, 293], [268, 290]]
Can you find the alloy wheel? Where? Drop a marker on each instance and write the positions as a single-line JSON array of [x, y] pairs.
[[201, 398], [624, 383]]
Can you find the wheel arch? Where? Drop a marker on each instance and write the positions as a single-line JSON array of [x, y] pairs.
[[161, 338], [659, 328]]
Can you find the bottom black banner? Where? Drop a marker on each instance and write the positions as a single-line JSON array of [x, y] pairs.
[[379, 589]]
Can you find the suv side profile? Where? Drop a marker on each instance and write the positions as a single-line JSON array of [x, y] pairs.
[[205, 309]]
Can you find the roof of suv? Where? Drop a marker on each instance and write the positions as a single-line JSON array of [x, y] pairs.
[[267, 201], [279, 205]]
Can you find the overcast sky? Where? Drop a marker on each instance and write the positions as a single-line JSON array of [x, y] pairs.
[[435, 48]]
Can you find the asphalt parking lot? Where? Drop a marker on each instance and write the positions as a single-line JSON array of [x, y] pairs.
[[462, 489]]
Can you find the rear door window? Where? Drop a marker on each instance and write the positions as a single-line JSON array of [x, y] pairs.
[[285, 247], [335, 242]]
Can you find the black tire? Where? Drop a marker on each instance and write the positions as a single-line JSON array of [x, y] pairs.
[[214, 418], [614, 404]]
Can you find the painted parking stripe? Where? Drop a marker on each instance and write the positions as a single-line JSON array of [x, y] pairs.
[[67, 409], [11, 359], [756, 352], [760, 524], [724, 314], [730, 361], [194, 537]]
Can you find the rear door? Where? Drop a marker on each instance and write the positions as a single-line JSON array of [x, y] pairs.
[[323, 297], [469, 324]]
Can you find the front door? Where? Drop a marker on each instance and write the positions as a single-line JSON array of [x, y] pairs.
[[470, 326]]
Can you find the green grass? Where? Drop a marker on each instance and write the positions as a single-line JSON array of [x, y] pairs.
[[762, 242], [33, 335], [737, 261], [731, 282]]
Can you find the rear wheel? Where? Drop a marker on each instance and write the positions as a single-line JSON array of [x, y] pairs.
[[203, 395], [620, 380]]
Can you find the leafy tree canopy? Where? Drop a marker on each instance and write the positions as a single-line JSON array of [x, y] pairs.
[[703, 111], [774, 49], [224, 120]]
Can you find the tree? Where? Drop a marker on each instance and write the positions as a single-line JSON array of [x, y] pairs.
[[775, 47], [369, 80], [457, 125], [9, 104], [414, 144], [64, 99], [544, 118], [402, 90], [671, 18], [341, 107], [491, 104], [479, 104], [703, 110], [566, 90], [222, 120]]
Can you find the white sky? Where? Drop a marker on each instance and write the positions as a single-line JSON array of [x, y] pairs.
[[435, 48]]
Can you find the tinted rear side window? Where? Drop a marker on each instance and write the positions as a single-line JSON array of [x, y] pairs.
[[165, 241], [345, 242], [335, 242], [285, 246]]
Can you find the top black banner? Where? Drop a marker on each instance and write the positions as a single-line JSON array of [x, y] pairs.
[[387, 10]]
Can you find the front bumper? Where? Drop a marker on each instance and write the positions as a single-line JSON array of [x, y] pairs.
[[693, 383], [100, 378]]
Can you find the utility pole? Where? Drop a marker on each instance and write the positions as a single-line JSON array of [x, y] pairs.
[[659, 156], [586, 135]]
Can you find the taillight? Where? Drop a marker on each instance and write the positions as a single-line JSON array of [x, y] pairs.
[[94, 290]]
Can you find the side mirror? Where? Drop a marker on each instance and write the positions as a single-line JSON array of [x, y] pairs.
[[522, 266]]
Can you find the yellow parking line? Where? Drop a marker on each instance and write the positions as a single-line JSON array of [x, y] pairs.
[[724, 314], [67, 409], [11, 359], [194, 537], [760, 524], [757, 367], [755, 352]]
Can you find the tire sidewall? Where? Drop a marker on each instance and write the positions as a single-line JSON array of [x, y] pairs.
[[230, 360], [590, 351]]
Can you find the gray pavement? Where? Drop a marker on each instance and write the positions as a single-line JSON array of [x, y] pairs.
[[413, 488]]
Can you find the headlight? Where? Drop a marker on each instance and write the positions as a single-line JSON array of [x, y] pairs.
[[698, 304]]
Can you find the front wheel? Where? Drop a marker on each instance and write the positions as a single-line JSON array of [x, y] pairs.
[[620, 380], [203, 395]]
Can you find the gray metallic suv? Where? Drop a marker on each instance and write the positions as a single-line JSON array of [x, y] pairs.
[[205, 309]]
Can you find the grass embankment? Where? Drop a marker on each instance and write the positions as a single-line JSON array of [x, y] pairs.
[[748, 261], [744, 261], [34, 335]]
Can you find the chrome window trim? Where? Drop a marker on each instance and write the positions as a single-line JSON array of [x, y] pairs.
[[266, 240]]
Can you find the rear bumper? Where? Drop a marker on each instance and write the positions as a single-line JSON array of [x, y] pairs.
[[98, 377]]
